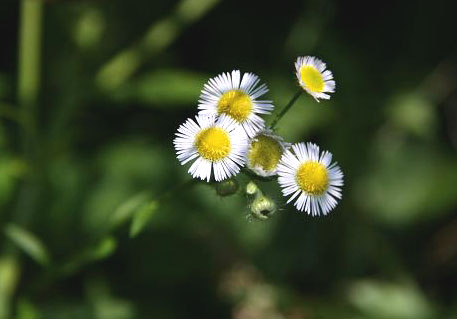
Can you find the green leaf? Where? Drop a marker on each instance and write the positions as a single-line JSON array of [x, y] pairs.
[[379, 299], [126, 210], [101, 250], [104, 249], [428, 176], [29, 243], [142, 217]]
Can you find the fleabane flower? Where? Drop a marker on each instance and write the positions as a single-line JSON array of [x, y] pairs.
[[264, 153], [314, 78], [216, 147], [236, 96], [310, 178]]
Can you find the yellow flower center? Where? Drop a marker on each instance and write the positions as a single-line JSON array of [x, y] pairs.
[[236, 104], [312, 177], [312, 78], [213, 143], [265, 152]]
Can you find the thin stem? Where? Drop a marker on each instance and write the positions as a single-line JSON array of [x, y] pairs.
[[29, 52], [285, 109], [29, 57], [28, 89]]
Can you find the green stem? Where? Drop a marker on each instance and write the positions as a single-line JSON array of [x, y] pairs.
[[29, 59], [285, 109], [29, 52], [28, 90]]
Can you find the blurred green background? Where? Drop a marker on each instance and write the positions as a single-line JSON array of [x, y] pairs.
[[91, 94]]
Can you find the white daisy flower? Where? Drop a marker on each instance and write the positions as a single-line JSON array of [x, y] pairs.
[[217, 147], [264, 153], [236, 97], [314, 78], [308, 174]]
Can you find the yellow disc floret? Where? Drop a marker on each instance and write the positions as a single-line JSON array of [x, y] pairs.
[[236, 104], [213, 143], [312, 78], [265, 152], [312, 177]]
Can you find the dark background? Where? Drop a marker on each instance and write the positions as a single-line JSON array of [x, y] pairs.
[[83, 161]]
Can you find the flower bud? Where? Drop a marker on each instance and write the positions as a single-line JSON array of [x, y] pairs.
[[252, 189], [227, 187], [262, 207]]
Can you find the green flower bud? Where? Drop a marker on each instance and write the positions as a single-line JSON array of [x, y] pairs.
[[252, 189], [262, 207], [227, 187]]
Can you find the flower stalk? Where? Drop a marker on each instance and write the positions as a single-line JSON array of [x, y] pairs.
[[285, 109]]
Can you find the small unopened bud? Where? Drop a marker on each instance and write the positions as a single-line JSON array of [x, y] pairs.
[[227, 187], [263, 207], [251, 188]]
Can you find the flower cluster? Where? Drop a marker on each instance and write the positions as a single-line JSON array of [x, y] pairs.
[[229, 133]]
